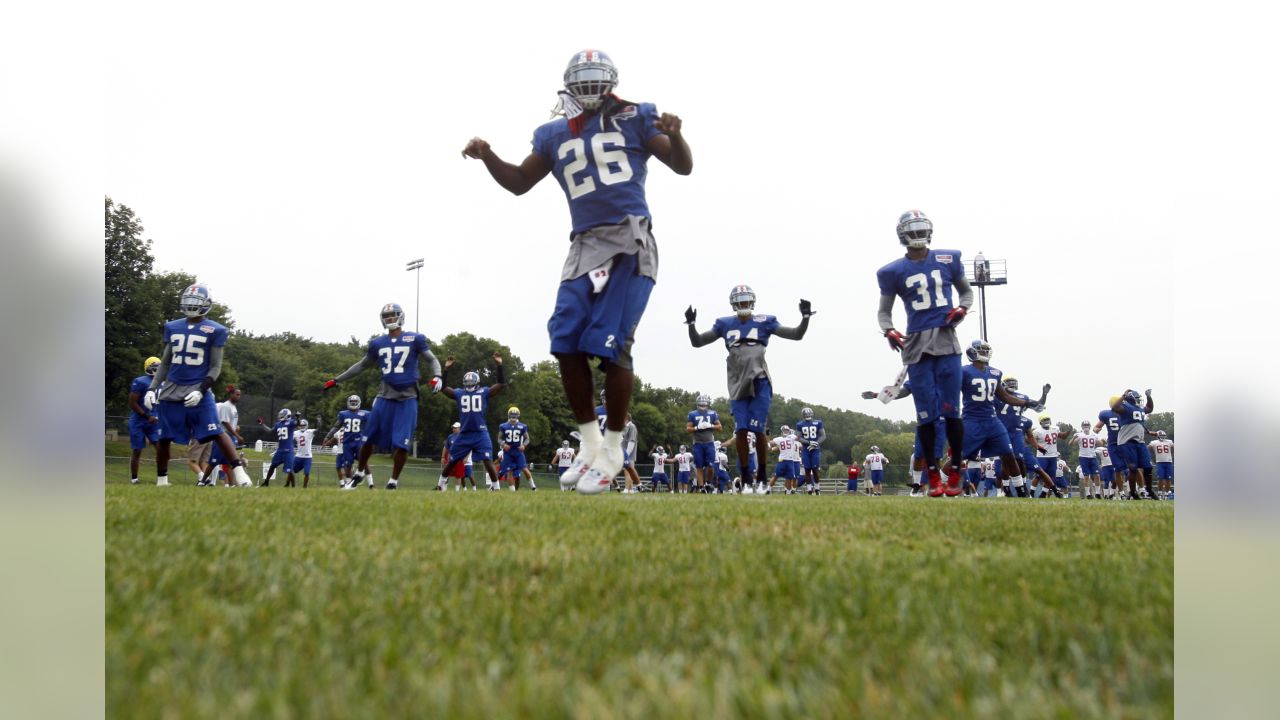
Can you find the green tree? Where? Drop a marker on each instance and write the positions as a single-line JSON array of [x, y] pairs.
[[131, 319]]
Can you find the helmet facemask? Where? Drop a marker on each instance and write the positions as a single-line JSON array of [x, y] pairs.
[[590, 76]]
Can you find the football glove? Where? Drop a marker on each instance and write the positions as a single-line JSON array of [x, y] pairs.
[[330, 384], [192, 398], [436, 384], [897, 343], [704, 424], [690, 315], [149, 400], [955, 316], [813, 446], [806, 308]]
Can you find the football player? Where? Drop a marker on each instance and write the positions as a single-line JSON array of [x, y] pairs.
[[513, 435], [746, 336], [144, 426], [302, 453], [703, 423], [1087, 442], [599, 153], [723, 481], [1130, 441], [282, 431], [684, 468], [1045, 441], [563, 458], [473, 438], [874, 462], [630, 438], [1162, 451], [924, 278], [812, 433], [351, 425], [984, 434], [1016, 426], [1108, 419], [788, 465], [916, 466], [394, 417], [660, 461], [189, 366]]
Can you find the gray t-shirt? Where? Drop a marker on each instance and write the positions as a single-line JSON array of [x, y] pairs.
[[934, 341], [745, 363], [590, 249]]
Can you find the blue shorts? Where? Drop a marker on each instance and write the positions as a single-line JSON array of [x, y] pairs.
[[1031, 461], [142, 432], [704, 454], [1061, 481], [1116, 460], [604, 324], [1134, 455], [935, 387], [627, 460], [283, 456], [986, 437], [182, 424], [752, 462], [302, 465], [660, 478], [476, 442], [513, 462], [350, 454], [753, 413], [723, 475], [876, 476], [1089, 466], [973, 475], [787, 470], [1108, 474], [215, 454], [811, 459], [1164, 471], [391, 423], [682, 477], [939, 440]]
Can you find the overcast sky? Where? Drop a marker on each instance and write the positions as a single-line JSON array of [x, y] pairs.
[[295, 159]]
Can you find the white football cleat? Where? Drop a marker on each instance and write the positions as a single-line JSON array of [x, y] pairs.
[[369, 478], [599, 478], [575, 472], [162, 481], [242, 477], [391, 484]]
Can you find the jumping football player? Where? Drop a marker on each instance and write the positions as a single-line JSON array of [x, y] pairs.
[[746, 336], [599, 153], [923, 278]]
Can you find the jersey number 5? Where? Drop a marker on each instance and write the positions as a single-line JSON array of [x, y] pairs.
[[611, 165]]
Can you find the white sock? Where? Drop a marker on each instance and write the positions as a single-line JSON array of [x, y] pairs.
[[592, 440], [915, 476], [442, 482], [613, 444]]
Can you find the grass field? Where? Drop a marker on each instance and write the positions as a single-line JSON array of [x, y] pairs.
[[277, 603]]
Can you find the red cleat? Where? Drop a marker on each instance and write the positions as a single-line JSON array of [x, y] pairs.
[[954, 486], [935, 483]]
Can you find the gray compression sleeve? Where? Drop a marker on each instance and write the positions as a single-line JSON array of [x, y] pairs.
[[966, 292], [822, 436], [885, 314], [163, 372], [215, 362], [699, 339], [793, 333], [433, 363], [354, 370]]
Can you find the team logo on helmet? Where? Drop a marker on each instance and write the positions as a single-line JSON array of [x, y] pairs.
[[806, 414], [743, 300], [196, 301], [704, 401], [590, 76], [471, 380], [392, 316], [915, 230], [284, 414], [353, 402]]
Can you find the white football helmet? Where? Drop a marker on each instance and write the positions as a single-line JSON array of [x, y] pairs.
[[302, 423], [704, 401], [914, 229], [806, 414], [195, 301], [392, 316], [1160, 434], [743, 300], [564, 443], [353, 402], [683, 448], [979, 351], [590, 76], [875, 448], [786, 430], [471, 380], [659, 450]]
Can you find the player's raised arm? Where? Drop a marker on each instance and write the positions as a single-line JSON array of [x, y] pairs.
[[434, 381], [669, 146], [797, 333], [516, 179], [696, 338], [501, 383], [444, 378]]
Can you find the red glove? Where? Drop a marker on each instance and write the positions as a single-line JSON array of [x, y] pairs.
[[436, 384], [955, 316], [896, 341], [330, 384]]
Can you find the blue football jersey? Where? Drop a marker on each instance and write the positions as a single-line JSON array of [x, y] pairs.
[[190, 344], [924, 286], [809, 430], [283, 430], [734, 330], [1109, 418], [697, 416], [514, 434], [602, 171], [472, 405], [1008, 414], [353, 422], [1132, 414], [397, 357], [139, 385], [978, 390], [602, 415]]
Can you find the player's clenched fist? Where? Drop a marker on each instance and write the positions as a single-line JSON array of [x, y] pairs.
[[476, 148], [667, 123]]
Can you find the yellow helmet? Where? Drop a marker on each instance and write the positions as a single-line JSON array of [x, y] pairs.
[[513, 413], [1114, 399], [151, 365], [1044, 420]]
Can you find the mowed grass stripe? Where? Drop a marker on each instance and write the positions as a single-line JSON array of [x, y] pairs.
[[275, 602]]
